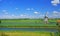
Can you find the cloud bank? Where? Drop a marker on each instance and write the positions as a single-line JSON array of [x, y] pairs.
[[55, 2]]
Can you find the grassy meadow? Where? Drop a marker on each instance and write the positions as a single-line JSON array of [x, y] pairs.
[[27, 33], [26, 23]]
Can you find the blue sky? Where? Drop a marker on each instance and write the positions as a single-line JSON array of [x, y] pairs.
[[29, 8]]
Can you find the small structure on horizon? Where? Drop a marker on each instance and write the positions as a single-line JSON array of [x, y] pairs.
[[46, 19]]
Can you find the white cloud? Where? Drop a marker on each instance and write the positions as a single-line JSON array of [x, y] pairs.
[[36, 12], [55, 12], [23, 15], [9, 16], [5, 12], [55, 2], [30, 9], [13, 16]]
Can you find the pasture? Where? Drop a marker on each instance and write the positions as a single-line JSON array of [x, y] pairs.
[[26, 33], [26, 23]]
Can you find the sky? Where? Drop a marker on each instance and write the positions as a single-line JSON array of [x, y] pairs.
[[29, 9]]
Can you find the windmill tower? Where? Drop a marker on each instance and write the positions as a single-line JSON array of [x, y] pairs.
[[46, 18]]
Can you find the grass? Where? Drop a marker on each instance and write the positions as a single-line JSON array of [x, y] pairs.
[[31, 22], [22, 23], [27, 33]]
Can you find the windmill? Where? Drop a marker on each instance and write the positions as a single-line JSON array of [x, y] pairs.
[[46, 18]]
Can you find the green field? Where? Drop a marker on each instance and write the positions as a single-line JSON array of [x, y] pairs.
[[29, 22], [27, 33]]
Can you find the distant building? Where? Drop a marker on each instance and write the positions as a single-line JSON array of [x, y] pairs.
[[46, 19]]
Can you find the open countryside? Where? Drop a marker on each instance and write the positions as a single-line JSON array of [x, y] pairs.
[[29, 17]]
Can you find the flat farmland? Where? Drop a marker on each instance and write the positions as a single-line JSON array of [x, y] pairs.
[[24, 27], [19, 23]]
